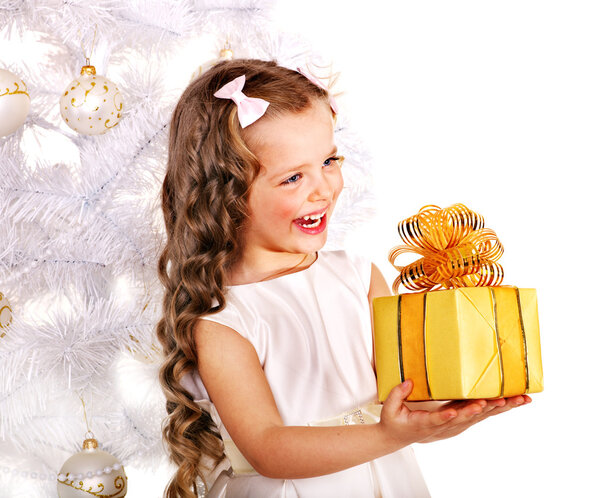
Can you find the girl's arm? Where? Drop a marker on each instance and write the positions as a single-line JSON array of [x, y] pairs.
[[232, 374]]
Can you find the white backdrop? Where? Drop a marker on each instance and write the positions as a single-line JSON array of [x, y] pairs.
[[496, 105]]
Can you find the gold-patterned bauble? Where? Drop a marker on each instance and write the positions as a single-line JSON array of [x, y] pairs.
[[91, 104], [226, 54], [92, 472], [14, 102], [5, 314]]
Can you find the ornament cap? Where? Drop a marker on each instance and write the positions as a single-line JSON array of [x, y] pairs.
[[88, 70], [226, 54], [90, 444]]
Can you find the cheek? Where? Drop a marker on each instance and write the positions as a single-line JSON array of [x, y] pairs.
[[271, 206], [283, 209], [338, 184]]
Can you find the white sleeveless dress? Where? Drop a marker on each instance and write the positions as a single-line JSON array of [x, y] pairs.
[[312, 333]]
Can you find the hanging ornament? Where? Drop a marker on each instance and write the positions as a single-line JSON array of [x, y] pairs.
[[92, 472], [14, 102], [91, 104], [5, 314], [226, 54]]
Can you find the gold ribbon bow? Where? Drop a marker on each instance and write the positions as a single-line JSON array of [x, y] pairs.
[[456, 250]]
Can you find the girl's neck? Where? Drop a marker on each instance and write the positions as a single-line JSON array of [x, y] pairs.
[[257, 269]]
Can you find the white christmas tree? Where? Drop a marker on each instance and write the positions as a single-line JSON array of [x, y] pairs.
[[81, 225]]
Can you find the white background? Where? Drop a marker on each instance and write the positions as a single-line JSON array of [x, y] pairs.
[[495, 105]]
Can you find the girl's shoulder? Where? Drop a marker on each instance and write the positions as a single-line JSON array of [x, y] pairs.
[[329, 266], [231, 315], [246, 304], [345, 263]]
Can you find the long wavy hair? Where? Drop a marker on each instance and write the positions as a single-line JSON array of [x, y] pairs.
[[210, 170]]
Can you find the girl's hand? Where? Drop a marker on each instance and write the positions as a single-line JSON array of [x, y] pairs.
[[398, 421], [488, 407]]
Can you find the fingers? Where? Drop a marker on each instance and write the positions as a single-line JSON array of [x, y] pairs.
[[510, 402], [463, 403], [491, 404], [498, 402], [522, 399], [450, 419], [469, 413], [396, 398], [500, 405], [443, 416], [469, 409], [447, 421]]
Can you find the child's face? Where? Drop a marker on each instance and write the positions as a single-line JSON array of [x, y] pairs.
[[298, 178]]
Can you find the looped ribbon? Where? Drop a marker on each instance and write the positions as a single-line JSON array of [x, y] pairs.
[[249, 108], [456, 250], [320, 84]]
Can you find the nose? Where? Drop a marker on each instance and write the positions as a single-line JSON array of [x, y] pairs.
[[322, 188]]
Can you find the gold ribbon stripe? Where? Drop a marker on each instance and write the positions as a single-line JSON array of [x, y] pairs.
[[524, 338], [410, 329], [498, 343]]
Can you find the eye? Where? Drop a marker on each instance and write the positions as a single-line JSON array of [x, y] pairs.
[[292, 179], [334, 159]]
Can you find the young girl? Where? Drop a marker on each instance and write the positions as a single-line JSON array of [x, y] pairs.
[[269, 373]]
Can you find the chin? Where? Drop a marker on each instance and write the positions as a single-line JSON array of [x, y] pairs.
[[316, 244]]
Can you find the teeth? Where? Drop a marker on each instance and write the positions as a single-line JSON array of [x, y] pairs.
[[314, 216], [315, 224]]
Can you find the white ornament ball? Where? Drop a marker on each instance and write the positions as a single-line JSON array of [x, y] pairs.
[[91, 104], [92, 472], [14, 102], [5, 314], [225, 55]]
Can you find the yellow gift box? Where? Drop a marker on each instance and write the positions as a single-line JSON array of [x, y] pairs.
[[472, 342], [475, 340]]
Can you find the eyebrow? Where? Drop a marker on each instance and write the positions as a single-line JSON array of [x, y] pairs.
[[287, 170]]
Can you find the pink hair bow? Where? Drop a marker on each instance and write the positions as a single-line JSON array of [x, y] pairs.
[[249, 108], [309, 76]]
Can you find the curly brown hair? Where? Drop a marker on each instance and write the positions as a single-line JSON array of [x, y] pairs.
[[210, 170]]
